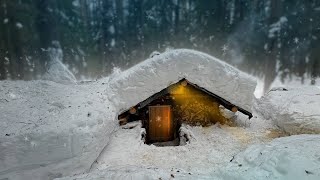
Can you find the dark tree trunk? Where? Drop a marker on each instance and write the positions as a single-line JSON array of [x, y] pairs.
[[273, 51], [45, 26], [177, 17], [9, 38], [3, 74]]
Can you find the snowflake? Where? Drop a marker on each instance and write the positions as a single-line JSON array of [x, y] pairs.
[[26, 138], [158, 119], [33, 144], [296, 40], [19, 25], [200, 67], [152, 70], [225, 48]]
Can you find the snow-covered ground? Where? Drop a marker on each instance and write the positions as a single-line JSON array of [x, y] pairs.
[[292, 81], [288, 158], [188, 157], [210, 148], [50, 130]]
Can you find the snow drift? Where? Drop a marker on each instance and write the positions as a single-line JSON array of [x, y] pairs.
[[151, 76], [295, 110], [295, 157], [288, 158], [51, 130]]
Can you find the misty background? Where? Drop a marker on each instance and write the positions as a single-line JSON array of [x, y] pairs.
[[267, 38]]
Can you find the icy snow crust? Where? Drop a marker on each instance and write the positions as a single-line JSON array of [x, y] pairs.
[[51, 130], [295, 110], [152, 75]]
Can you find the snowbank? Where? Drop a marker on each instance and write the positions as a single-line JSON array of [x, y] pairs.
[[295, 110], [210, 148], [290, 158], [152, 75], [51, 130], [127, 157]]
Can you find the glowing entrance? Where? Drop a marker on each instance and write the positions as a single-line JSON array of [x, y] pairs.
[[183, 102], [160, 124]]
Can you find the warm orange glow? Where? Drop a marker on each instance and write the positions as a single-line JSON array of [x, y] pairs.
[[178, 90], [160, 123], [196, 107], [169, 122]]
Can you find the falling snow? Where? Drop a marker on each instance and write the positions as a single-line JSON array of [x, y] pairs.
[[5, 21], [19, 25], [224, 49]]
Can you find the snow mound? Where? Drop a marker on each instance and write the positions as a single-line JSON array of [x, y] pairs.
[[51, 130], [56, 71], [289, 158], [152, 75], [295, 110]]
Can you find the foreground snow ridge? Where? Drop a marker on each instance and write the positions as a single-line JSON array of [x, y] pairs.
[[289, 158], [50, 130], [152, 75]]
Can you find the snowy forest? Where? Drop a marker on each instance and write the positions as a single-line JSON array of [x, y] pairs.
[[159, 89], [266, 38]]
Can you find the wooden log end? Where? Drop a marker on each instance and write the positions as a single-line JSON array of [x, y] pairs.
[[132, 110], [234, 109], [123, 121], [184, 83]]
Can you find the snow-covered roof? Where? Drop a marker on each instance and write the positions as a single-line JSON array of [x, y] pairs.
[[154, 74]]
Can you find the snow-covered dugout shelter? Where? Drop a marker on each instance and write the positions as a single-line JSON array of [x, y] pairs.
[[180, 86]]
